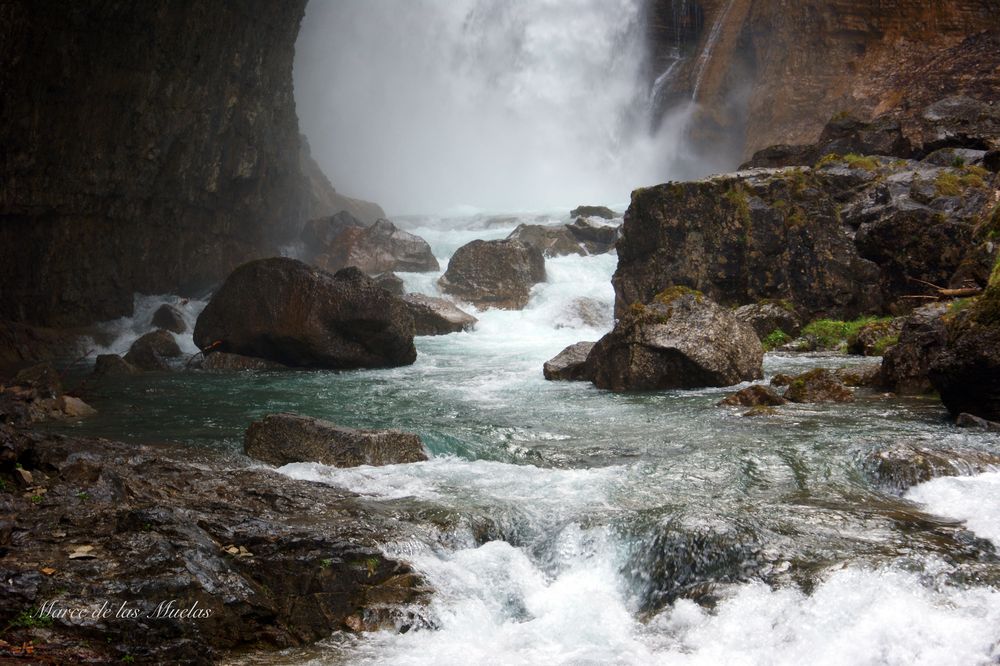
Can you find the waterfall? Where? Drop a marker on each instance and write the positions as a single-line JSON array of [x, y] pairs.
[[428, 106], [706, 54]]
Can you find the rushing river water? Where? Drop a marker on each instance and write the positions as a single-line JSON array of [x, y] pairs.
[[586, 527]]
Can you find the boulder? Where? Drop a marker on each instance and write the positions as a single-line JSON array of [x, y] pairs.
[[749, 237], [754, 396], [41, 378], [585, 311], [975, 423], [961, 122], [280, 439], [494, 274], [286, 311], [921, 339], [321, 233], [151, 351], [594, 211], [966, 373], [168, 318], [570, 364], [391, 282], [903, 465], [113, 365], [681, 339], [379, 248], [436, 316], [20, 343], [875, 338], [868, 376], [235, 362], [554, 241], [819, 385], [596, 238], [767, 317]]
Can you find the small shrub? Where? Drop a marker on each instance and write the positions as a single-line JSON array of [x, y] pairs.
[[775, 339], [834, 334]]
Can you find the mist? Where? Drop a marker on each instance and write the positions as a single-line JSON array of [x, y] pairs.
[[434, 106]]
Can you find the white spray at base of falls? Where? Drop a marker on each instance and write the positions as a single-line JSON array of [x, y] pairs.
[[424, 106]]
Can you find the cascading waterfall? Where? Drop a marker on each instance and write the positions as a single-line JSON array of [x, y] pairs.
[[429, 106]]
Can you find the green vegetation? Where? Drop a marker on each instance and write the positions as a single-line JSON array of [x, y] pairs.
[[83, 494], [884, 344], [987, 308], [3, 485], [740, 199], [958, 162], [775, 339], [834, 334], [36, 499], [671, 294], [951, 184], [28, 619], [829, 158], [325, 563], [853, 160]]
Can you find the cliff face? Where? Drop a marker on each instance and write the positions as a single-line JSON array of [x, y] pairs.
[[147, 147], [784, 67]]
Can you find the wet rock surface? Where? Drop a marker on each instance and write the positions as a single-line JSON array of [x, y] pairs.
[[391, 282], [754, 396], [36, 393], [153, 351], [594, 211], [681, 339], [819, 385], [903, 465], [168, 318], [279, 439], [265, 561], [379, 248], [437, 316], [224, 361], [285, 311], [570, 364], [113, 365], [494, 274], [921, 339], [766, 318]]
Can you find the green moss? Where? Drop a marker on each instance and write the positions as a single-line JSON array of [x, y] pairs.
[[987, 308], [958, 162], [865, 162], [834, 334], [798, 180], [775, 339], [740, 200], [829, 158], [671, 294], [951, 184], [884, 344]]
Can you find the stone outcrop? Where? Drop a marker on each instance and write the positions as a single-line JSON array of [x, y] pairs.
[[873, 339], [436, 316], [269, 562], [582, 238], [602, 212], [391, 282], [494, 274], [680, 339], [570, 364], [153, 351], [154, 162], [905, 366], [745, 238], [285, 311], [766, 318], [967, 371], [36, 394], [321, 199], [341, 241], [20, 343], [280, 439]]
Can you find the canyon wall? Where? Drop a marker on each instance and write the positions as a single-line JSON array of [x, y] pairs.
[[147, 146], [775, 71]]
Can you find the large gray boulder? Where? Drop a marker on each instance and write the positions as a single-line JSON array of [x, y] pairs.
[[553, 241], [152, 351], [341, 241], [494, 274], [767, 317], [570, 364], [436, 316], [286, 311], [280, 439], [906, 364], [681, 339]]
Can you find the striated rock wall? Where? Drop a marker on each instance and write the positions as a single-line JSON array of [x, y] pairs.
[[147, 147], [784, 67]]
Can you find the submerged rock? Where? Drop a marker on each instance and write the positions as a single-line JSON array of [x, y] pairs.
[[819, 385], [151, 351], [436, 316], [113, 365], [594, 211], [168, 318], [921, 338], [280, 439], [570, 364], [679, 340], [225, 361], [904, 465], [285, 311], [494, 274], [975, 423], [754, 396], [589, 312]]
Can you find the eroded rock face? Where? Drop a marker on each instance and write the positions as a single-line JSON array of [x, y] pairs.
[[20, 342], [153, 350], [679, 340], [554, 241], [905, 366], [494, 274], [391, 282], [275, 562], [746, 238], [570, 364], [280, 439], [380, 248], [766, 318], [436, 316], [285, 311]]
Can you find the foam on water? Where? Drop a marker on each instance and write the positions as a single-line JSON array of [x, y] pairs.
[[118, 335], [973, 499]]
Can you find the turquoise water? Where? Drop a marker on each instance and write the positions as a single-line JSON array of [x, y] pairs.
[[592, 527]]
